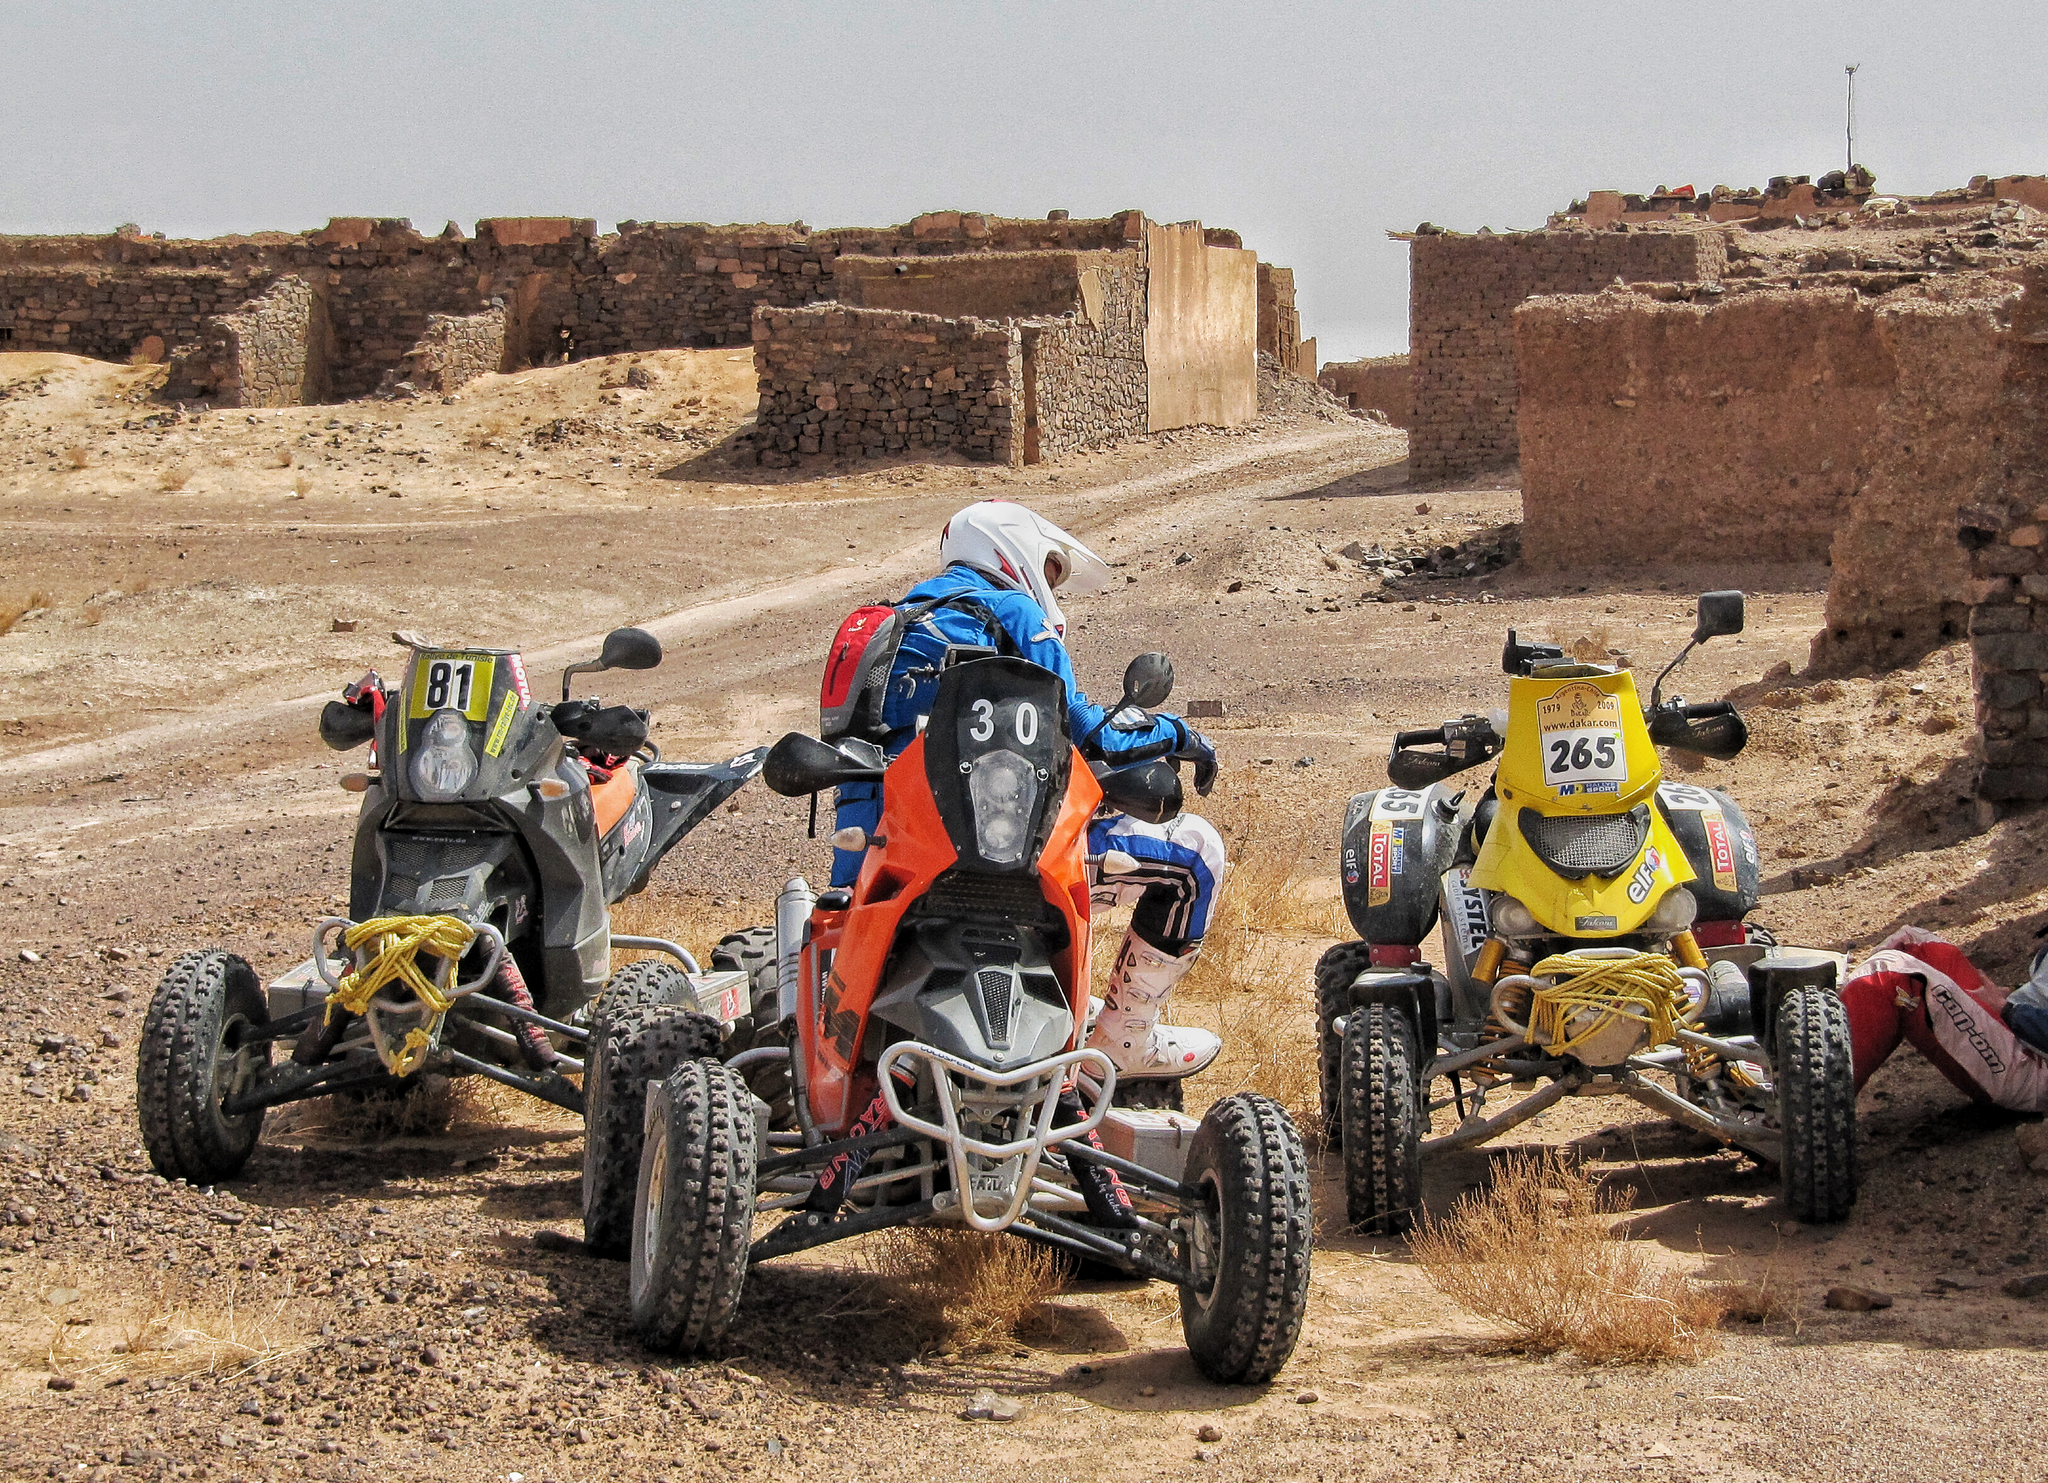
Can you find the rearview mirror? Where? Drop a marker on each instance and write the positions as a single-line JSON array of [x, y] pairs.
[[631, 648], [1148, 681], [1720, 615]]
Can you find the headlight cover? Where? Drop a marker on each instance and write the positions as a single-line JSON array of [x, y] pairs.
[[1674, 913], [1003, 789], [444, 764], [1512, 919]]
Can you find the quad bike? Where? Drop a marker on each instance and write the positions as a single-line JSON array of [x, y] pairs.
[[1595, 944], [490, 842], [935, 1015]]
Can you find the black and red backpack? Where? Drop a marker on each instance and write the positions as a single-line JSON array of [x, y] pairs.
[[863, 654]]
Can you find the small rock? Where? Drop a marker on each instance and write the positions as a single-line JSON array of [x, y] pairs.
[[273, 1418], [1235, 587], [1149, 1391], [988, 1406], [345, 625], [1205, 1454], [1423, 508], [30, 955], [2032, 1285], [1857, 1299], [1307, 1398], [775, 1447], [431, 1355], [248, 1408], [2032, 1139], [61, 1382], [1210, 1432]]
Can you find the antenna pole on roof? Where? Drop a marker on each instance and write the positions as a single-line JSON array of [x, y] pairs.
[[1850, 164]]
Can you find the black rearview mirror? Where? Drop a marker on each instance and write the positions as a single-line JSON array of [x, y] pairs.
[[1720, 615], [630, 648], [1148, 681]]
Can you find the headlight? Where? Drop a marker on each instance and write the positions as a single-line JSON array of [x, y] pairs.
[[1003, 789], [1674, 913], [444, 764], [1512, 919]]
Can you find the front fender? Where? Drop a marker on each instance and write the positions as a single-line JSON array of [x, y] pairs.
[[682, 795]]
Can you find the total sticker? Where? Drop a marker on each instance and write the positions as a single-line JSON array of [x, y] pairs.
[[1383, 862], [1720, 849], [1580, 726]]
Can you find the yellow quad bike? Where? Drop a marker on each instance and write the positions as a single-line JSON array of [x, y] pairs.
[[1594, 944]]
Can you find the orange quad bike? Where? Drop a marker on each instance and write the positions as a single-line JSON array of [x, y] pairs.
[[935, 1071]]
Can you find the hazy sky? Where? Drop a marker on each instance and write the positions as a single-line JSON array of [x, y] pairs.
[[1312, 129]]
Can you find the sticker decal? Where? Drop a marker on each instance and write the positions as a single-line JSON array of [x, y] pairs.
[[1397, 803], [1645, 877], [1580, 726], [1721, 850], [1465, 908], [1595, 924], [518, 667], [1380, 864], [502, 727], [459, 682]]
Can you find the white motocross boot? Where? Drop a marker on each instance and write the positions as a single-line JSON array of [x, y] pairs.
[[1128, 1027]]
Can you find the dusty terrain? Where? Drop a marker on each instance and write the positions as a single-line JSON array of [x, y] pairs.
[[382, 1304]]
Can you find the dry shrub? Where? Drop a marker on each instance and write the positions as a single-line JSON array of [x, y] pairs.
[[1278, 909], [969, 1290], [435, 1105], [93, 613], [37, 601], [169, 1329], [175, 478], [693, 922], [282, 458], [79, 455], [302, 485], [1537, 1253], [136, 586]]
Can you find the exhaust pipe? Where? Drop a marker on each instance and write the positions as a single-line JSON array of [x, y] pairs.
[[792, 920]]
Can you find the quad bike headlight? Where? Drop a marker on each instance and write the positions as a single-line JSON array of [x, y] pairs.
[[1512, 919], [444, 764], [1674, 913], [1003, 788]]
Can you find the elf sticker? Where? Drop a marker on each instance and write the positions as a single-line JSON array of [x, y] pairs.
[[1580, 726]]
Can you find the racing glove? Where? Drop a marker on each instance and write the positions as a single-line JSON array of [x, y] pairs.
[[1198, 749]]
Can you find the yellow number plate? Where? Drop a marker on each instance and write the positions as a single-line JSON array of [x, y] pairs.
[[460, 682]]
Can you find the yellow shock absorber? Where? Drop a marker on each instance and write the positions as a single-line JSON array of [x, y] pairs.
[[1687, 951], [1486, 967]]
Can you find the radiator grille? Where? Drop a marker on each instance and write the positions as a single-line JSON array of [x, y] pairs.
[[1578, 845], [449, 891], [1014, 898], [995, 985]]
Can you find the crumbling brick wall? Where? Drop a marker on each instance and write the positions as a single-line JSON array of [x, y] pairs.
[[1461, 338], [1279, 322], [266, 354], [111, 313], [1384, 383], [839, 382], [2006, 536], [1084, 374], [456, 349], [1685, 431]]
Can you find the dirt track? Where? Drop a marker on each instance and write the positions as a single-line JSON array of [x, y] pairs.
[[160, 787]]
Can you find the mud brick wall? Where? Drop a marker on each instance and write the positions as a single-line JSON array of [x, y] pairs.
[[1463, 292], [268, 353], [1084, 374], [839, 382], [1279, 323], [1654, 431], [1384, 382], [456, 349], [2007, 540]]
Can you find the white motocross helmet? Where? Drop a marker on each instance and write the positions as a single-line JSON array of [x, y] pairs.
[[1011, 544]]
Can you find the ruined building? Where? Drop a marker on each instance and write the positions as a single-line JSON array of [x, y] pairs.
[[1007, 339]]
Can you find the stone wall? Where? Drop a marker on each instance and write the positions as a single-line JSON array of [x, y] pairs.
[[1384, 382], [1463, 292], [1201, 330], [456, 349], [117, 314], [1009, 285], [2006, 536], [270, 353], [1279, 323], [1084, 374], [839, 382]]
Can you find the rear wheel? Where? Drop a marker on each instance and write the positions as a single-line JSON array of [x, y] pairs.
[[1382, 1118], [1336, 971], [646, 981], [628, 1049], [1253, 1233], [694, 1207], [189, 1063], [1816, 1105]]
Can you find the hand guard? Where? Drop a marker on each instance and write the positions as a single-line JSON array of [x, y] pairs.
[[1198, 749]]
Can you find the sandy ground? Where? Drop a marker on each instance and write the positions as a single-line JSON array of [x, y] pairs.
[[408, 1300]]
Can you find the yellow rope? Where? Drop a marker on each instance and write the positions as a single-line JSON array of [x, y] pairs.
[[396, 943], [1645, 988]]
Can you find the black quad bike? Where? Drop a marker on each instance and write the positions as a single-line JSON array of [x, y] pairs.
[[1596, 944], [495, 831]]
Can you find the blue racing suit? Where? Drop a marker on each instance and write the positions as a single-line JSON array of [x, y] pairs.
[[913, 683]]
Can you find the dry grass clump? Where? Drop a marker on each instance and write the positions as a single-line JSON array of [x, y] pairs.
[[302, 485], [435, 1105], [175, 478], [691, 921], [78, 455], [1537, 1253], [168, 1329], [282, 458], [971, 1291], [10, 615]]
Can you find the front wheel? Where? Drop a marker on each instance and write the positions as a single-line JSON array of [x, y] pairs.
[[1336, 971], [1382, 1116], [628, 1049], [191, 1061], [1253, 1233], [694, 1209], [1816, 1105]]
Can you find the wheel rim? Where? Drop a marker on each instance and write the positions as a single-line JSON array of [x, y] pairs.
[[234, 1067], [647, 1226], [1206, 1241]]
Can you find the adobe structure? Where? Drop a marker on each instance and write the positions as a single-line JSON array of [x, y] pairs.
[[1381, 383], [1107, 327]]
